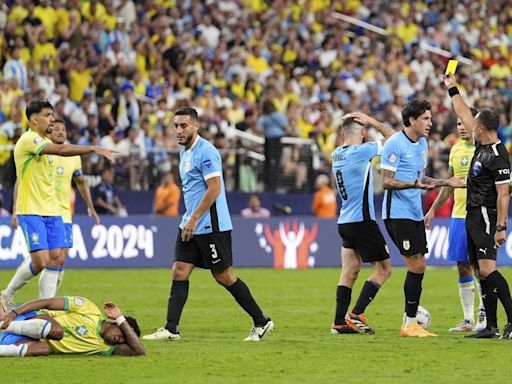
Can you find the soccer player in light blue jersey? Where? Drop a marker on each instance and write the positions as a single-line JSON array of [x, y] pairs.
[[204, 238], [403, 162], [362, 239]]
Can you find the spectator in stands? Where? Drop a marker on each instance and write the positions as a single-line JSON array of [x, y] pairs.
[[254, 209], [227, 58], [324, 199], [15, 68], [273, 125], [106, 200], [167, 197], [3, 212]]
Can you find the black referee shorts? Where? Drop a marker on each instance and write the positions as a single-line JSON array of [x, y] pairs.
[[209, 251], [480, 228], [408, 235], [366, 239]]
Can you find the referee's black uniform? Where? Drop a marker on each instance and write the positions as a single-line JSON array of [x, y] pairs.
[[490, 166]]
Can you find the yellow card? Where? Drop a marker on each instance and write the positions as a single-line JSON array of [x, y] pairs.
[[451, 67]]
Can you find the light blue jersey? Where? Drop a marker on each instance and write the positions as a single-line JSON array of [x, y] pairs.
[[198, 164], [408, 160], [352, 169]]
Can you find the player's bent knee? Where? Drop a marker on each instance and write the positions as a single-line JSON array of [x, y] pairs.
[[465, 270], [56, 332], [350, 273], [181, 271], [225, 278], [484, 272], [385, 273]]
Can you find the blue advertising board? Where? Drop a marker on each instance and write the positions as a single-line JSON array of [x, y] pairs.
[[142, 241]]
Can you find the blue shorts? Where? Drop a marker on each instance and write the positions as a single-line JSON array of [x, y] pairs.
[[68, 228], [9, 338], [457, 241], [43, 232]]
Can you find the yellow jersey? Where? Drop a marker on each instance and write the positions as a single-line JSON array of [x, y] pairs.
[[459, 162], [35, 173], [81, 321], [65, 169]]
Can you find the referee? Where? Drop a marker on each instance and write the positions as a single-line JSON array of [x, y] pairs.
[[487, 206]]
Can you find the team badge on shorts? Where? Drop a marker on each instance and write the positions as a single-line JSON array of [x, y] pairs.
[[35, 238], [406, 244]]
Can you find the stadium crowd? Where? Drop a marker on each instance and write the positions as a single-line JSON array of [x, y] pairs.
[[116, 70]]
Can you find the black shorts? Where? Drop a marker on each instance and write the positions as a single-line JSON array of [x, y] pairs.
[[209, 251], [408, 235], [480, 229], [366, 239]]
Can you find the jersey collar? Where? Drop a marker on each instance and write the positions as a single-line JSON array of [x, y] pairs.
[[408, 138], [193, 145]]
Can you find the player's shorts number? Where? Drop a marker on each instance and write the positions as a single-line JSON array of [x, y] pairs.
[[340, 185], [214, 251]]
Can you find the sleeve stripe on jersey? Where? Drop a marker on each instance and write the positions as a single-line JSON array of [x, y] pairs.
[[388, 167], [495, 149], [210, 175], [41, 148], [502, 181], [379, 147], [66, 303]]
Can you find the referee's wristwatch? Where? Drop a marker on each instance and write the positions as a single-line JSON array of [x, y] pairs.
[[500, 228]]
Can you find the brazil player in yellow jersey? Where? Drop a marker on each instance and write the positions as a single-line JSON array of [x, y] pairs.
[[458, 165], [66, 170], [37, 210], [66, 325]]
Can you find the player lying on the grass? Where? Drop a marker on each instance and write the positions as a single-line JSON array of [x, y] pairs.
[[70, 324]]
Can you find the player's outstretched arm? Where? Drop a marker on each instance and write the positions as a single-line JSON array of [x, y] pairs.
[[389, 181], [133, 345], [55, 303], [454, 182], [459, 105], [73, 150], [213, 191], [85, 192]]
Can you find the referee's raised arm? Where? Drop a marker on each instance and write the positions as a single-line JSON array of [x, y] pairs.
[[459, 105]]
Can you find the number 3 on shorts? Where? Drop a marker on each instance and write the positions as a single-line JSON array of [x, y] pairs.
[[214, 251]]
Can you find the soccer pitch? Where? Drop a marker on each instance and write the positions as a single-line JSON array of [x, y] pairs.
[[300, 350]]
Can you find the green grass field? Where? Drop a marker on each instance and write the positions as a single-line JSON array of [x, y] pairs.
[[300, 350]]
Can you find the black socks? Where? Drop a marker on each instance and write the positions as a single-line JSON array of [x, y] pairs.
[[412, 291], [243, 297], [177, 300]]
